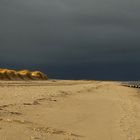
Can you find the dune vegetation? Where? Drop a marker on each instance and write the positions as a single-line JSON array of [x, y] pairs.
[[6, 74]]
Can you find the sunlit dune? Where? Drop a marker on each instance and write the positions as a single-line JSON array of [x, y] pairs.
[[6, 74]]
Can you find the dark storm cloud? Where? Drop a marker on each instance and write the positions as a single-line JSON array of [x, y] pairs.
[[69, 32]]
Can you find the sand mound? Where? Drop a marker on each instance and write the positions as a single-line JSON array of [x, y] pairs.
[[6, 74]]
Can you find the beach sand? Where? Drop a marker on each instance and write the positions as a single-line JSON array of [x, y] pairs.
[[68, 110]]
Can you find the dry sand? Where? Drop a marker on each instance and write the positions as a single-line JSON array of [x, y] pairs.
[[68, 110]]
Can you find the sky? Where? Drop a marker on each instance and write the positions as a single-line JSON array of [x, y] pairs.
[[72, 39]]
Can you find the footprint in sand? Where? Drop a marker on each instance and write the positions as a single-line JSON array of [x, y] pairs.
[[33, 103]]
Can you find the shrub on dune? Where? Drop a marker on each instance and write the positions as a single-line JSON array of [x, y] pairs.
[[24, 74], [39, 75]]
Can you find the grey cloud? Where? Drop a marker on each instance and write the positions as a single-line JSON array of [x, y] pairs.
[[62, 32]]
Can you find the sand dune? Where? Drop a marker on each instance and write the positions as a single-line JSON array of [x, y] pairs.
[[6, 74], [68, 110]]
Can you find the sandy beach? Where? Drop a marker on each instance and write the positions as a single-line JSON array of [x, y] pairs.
[[68, 110]]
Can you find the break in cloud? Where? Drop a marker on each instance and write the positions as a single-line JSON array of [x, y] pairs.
[[57, 35]]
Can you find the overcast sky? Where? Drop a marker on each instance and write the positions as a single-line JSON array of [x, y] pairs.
[[72, 38]]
